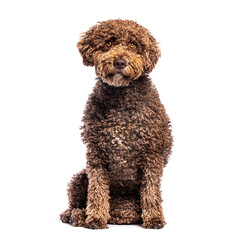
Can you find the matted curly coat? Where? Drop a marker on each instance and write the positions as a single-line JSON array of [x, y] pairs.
[[126, 130]]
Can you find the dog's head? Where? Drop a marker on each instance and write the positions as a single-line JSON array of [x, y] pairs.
[[120, 50]]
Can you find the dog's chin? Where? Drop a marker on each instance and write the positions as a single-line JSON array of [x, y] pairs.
[[116, 80]]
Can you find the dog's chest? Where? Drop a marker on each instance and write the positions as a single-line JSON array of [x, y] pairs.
[[121, 130], [121, 138]]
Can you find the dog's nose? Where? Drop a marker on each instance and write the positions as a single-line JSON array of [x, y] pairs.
[[120, 63]]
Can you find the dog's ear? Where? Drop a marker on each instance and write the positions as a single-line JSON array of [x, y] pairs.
[[85, 47], [152, 54]]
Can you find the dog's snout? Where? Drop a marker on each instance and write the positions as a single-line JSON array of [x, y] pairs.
[[120, 63]]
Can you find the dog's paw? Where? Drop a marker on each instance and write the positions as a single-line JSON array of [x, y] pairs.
[[65, 216], [78, 217], [154, 223], [94, 223]]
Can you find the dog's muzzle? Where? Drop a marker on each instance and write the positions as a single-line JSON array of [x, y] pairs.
[[118, 67]]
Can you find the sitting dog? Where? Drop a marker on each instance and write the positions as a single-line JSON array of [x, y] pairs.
[[125, 128]]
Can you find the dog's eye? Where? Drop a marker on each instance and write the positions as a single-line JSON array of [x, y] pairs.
[[132, 45], [109, 43]]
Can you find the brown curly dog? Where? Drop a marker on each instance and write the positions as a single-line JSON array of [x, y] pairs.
[[126, 130]]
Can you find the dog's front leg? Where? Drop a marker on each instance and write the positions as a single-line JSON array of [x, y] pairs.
[[98, 198], [151, 200]]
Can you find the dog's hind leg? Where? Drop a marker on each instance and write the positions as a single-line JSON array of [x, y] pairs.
[[77, 195]]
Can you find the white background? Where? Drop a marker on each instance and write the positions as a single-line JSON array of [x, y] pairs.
[[43, 90]]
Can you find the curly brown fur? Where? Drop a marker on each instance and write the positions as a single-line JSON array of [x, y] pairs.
[[126, 130]]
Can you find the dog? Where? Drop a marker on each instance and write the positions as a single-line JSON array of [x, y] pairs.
[[125, 128]]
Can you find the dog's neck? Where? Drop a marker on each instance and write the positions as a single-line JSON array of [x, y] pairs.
[[106, 96], [139, 84]]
